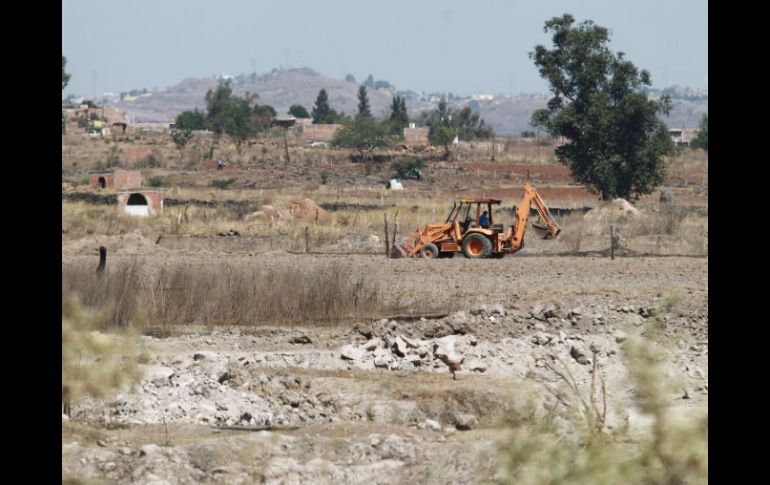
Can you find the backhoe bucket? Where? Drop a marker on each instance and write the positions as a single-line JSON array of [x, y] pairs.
[[544, 231], [397, 251]]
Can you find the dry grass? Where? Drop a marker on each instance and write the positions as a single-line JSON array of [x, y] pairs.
[[91, 364], [229, 296], [538, 451]]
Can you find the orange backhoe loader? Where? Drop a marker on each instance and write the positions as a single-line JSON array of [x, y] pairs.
[[467, 236]]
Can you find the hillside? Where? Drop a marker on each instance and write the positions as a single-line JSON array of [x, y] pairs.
[[282, 88]]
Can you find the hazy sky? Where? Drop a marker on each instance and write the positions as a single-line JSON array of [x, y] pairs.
[[465, 47]]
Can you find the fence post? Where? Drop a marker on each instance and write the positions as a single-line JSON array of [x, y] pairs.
[[102, 260], [307, 239], [387, 239], [612, 242]]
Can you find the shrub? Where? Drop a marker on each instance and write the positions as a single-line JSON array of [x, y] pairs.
[[538, 451], [404, 166], [222, 183], [157, 181], [90, 365]]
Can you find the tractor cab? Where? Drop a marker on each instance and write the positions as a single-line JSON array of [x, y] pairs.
[[468, 212]]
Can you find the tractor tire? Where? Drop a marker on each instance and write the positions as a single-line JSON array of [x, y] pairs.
[[429, 251], [477, 246]]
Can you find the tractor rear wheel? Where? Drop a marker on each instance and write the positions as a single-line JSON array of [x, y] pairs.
[[429, 251], [477, 246]]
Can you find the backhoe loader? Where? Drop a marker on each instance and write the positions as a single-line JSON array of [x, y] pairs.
[[461, 231]]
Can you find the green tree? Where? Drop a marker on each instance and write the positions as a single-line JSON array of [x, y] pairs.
[[323, 113], [218, 109], [363, 102], [190, 120], [262, 117], [65, 78], [399, 119], [350, 78], [235, 116], [181, 137], [363, 134], [298, 111], [242, 124], [470, 126], [441, 128], [321, 110], [701, 139], [616, 143]]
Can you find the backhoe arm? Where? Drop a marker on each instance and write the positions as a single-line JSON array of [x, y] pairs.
[[516, 232]]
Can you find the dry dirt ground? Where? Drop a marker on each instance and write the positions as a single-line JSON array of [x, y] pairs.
[[374, 401]]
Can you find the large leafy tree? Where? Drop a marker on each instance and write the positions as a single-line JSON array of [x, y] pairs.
[[441, 129], [191, 120], [363, 102], [262, 116], [363, 134], [298, 111], [701, 139], [218, 109], [238, 117], [65, 78], [470, 126], [616, 143]]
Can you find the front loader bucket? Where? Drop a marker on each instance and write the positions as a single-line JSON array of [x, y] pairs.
[[397, 251]]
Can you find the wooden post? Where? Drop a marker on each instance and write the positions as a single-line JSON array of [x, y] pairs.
[[307, 239], [387, 252], [395, 230], [102, 260], [612, 242], [286, 145]]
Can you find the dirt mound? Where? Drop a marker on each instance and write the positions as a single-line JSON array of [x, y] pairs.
[[612, 211], [296, 208], [308, 210]]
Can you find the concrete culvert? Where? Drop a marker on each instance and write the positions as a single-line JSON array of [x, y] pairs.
[[137, 205]]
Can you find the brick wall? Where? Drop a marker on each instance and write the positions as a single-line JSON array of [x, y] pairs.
[[128, 179], [416, 136], [109, 180], [323, 132]]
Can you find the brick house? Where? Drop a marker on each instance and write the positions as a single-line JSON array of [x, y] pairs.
[[119, 179]]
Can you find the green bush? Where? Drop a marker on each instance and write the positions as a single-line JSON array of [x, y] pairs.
[[157, 181], [222, 183], [404, 166]]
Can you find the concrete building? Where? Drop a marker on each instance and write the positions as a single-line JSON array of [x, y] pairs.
[[682, 136]]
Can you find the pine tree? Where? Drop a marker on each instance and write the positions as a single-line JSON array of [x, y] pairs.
[[363, 102], [321, 110]]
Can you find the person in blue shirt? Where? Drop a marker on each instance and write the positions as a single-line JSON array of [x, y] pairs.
[[484, 220]]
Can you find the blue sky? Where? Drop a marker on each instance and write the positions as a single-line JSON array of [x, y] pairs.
[[433, 45]]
